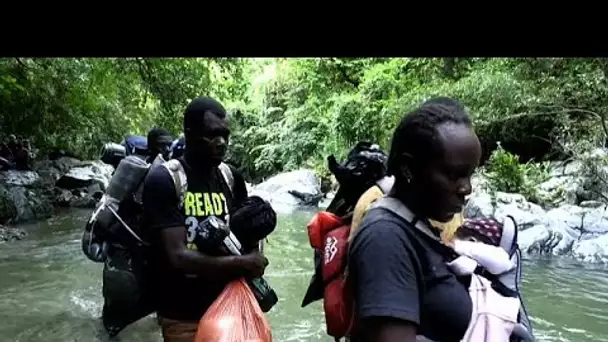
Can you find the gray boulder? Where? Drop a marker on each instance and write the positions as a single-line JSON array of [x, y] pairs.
[[22, 198], [579, 231], [85, 175], [50, 171], [32, 195], [592, 250], [576, 181], [501, 204], [279, 190]]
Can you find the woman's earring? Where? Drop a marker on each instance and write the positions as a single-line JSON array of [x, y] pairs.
[[407, 174]]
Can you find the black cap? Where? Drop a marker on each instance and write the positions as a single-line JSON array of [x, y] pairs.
[[195, 112], [156, 133]]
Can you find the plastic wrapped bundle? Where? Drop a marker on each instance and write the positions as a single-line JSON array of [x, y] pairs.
[[127, 177], [234, 317]]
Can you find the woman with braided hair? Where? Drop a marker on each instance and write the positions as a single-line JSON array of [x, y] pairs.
[[402, 285], [373, 193]]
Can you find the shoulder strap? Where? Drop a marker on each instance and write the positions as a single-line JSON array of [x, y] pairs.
[[508, 240], [176, 169], [398, 208], [386, 183], [422, 226], [228, 176]]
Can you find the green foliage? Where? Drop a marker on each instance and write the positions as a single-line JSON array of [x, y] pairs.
[[80, 103], [291, 113], [506, 174]]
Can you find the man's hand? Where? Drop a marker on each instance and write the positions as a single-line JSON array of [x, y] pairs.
[[254, 264]]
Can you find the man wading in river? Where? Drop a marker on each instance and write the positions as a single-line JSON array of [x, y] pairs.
[[188, 280], [159, 142]]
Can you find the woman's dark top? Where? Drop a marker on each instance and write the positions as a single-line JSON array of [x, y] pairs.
[[398, 274]]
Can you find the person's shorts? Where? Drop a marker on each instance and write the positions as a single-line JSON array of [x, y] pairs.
[[177, 331]]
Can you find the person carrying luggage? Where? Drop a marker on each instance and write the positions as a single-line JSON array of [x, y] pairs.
[[179, 196]]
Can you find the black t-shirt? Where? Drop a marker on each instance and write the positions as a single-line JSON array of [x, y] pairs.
[[398, 274], [180, 296]]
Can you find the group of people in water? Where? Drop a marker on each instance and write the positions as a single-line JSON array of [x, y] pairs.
[[15, 154], [405, 287]]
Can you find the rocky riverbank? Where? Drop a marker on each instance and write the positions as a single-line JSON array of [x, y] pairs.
[[65, 182], [572, 222], [11, 234]]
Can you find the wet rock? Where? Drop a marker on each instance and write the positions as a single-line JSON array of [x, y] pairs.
[[78, 198], [62, 197], [88, 202], [50, 171], [479, 205], [307, 199], [326, 185], [571, 217], [592, 250], [65, 182], [279, 190], [19, 178], [86, 175], [555, 239], [572, 182], [11, 234], [21, 203], [501, 204], [568, 230]]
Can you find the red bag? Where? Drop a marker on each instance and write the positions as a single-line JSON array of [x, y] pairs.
[[319, 225], [328, 234], [234, 317]]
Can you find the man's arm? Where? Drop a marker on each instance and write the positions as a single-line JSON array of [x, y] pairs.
[[164, 219], [191, 261]]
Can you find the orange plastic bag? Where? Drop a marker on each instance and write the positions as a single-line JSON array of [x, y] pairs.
[[235, 316]]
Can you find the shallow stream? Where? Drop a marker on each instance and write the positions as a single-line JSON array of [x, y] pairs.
[[50, 292]]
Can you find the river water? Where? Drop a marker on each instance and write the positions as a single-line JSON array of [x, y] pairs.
[[50, 292]]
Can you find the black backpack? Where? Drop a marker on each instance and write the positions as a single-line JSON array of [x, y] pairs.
[[363, 168]]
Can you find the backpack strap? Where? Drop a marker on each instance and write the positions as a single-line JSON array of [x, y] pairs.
[[395, 206], [508, 239], [176, 169], [386, 183], [423, 226], [228, 176]]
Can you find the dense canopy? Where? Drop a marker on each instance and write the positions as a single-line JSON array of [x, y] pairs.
[[289, 113]]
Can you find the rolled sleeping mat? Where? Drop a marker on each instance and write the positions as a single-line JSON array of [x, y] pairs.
[[127, 177]]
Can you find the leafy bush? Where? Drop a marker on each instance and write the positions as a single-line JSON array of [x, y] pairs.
[[506, 174]]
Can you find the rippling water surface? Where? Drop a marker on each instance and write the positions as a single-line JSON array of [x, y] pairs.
[[50, 292]]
